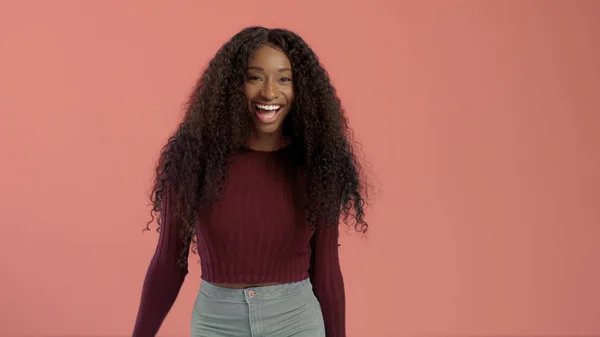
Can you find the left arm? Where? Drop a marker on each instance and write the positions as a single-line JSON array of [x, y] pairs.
[[327, 280]]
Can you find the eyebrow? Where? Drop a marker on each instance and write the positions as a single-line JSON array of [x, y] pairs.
[[261, 69]]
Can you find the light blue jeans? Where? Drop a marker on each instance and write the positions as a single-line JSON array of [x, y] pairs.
[[284, 310]]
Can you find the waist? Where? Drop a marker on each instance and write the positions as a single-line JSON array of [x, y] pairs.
[[263, 292], [245, 285]]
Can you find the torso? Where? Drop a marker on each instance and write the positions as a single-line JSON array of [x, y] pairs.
[[256, 234]]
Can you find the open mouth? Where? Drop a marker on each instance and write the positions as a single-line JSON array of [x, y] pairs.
[[267, 113]]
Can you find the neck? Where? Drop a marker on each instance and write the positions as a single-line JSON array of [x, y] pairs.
[[267, 142]]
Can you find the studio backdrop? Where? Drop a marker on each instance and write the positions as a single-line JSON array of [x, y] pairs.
[[479, 121]]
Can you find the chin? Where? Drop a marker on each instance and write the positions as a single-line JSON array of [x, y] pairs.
[[267, 129]]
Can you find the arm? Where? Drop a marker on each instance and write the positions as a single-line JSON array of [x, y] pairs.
[[164, 277], [327, 280]]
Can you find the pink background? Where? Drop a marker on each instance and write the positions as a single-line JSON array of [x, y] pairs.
[[480, 118]]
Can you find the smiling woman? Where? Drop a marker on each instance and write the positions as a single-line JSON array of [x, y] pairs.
[[256, 179]]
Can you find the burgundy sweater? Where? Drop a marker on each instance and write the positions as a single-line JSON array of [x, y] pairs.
[[255, 233]]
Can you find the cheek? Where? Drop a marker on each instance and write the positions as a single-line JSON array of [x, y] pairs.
[[289, 95], [248, 92]]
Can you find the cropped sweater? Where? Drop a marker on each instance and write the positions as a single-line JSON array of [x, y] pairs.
[[256, 232]]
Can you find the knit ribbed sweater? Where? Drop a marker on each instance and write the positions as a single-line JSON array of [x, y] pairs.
[[256, 232]]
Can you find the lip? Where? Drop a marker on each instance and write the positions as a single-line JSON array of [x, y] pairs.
[[262, 118]]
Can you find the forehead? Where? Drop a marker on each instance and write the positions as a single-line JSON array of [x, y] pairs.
[[267, 57]]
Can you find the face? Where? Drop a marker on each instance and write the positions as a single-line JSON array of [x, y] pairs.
[[269, 89]]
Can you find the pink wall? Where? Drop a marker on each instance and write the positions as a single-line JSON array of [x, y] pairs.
[[481, 120]]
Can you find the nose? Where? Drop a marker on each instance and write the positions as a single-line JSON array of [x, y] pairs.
[[269, 90]]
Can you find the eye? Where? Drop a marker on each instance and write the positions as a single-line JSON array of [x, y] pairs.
[[286, 79], [253, 78]]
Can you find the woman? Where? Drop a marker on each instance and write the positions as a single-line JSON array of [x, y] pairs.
[[255, 179]]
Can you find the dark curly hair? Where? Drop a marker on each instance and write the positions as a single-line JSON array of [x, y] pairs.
[[193, 164]]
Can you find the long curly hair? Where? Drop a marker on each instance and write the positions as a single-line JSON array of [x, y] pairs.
[[193, 163]]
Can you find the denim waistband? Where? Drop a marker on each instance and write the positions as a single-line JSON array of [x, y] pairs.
[[263, 293]]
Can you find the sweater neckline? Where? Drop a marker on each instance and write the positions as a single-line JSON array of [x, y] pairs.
[[267, 152]]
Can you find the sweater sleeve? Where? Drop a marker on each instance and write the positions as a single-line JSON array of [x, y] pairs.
[[326, 278], [164, 277]]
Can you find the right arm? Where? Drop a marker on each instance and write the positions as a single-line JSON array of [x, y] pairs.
[[164, 276]]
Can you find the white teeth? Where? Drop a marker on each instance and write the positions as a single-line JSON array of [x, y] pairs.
[[268, 107]]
